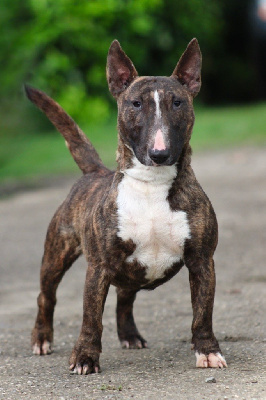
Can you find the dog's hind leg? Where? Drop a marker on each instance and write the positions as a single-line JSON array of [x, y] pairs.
[[62, 248], [127, 331]]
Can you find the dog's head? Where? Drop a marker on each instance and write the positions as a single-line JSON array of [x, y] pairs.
[[155, 114]]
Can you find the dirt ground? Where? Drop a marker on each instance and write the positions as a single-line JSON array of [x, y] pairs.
[[236, 183]]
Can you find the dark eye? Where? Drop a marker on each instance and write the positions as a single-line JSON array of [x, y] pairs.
[[177, 103], [136, 104]]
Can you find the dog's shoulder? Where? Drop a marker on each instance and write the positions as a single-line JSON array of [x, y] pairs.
[[87, 194], [186, 192]]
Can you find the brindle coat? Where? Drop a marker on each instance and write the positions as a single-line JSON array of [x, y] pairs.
[[87, 222]]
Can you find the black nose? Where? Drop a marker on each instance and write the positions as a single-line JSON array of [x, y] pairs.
[[159, 156]]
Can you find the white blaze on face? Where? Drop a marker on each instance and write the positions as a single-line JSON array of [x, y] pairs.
[[157, 104], [159, 143]]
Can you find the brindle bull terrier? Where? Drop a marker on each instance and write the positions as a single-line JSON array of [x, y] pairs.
[[136, 226]]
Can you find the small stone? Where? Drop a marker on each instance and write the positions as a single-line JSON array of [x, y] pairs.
[[211, 379]]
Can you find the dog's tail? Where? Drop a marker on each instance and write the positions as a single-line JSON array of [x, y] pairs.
[[79, 145]]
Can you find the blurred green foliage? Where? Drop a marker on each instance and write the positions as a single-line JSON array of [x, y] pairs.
[[61, 46]]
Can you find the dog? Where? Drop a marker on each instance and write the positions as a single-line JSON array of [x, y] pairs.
[[136, 226]]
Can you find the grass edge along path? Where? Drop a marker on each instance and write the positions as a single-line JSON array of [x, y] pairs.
[[25, 157]]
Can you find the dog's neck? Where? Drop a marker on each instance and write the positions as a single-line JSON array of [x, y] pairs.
[[185, 158], [149, 174]]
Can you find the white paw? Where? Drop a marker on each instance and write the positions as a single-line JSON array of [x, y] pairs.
[[125, 344], [212, 360], [43, 349]]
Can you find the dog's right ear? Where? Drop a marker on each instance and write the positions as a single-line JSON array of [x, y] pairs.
[[120, 69]]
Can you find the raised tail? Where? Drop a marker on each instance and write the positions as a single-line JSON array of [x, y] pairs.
[[77, 142]]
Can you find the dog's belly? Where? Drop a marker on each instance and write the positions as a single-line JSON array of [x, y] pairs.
[[145, 217]]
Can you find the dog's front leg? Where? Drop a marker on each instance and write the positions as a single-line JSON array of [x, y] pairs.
[[85, 355], [202, 285]]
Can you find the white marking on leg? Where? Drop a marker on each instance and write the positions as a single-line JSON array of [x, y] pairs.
[[216, 360], [212, 360], [36, 349], [201, 360], [46, 348]]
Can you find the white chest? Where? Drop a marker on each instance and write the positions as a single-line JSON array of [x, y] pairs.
[[144, 216]]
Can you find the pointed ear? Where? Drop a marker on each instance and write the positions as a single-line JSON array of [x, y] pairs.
[[188, 68], [120, 69]]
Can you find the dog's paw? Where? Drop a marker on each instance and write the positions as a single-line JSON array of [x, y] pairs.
[[42, 348], [84, 362], [85, 367], [134, 342], [212, 360], [41, 341]]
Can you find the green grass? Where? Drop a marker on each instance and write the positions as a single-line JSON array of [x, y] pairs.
[[225, 127], [29, 155], [26, 156]]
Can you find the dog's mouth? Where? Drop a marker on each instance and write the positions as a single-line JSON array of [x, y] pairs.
[[160, 160], [153, 164]]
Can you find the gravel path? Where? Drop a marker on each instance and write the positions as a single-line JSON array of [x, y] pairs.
[[236, 183]]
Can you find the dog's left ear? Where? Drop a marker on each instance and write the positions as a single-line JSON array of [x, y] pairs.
[[188, 68], [120, 69]]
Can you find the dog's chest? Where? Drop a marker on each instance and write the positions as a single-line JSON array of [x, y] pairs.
[[145, 217]]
